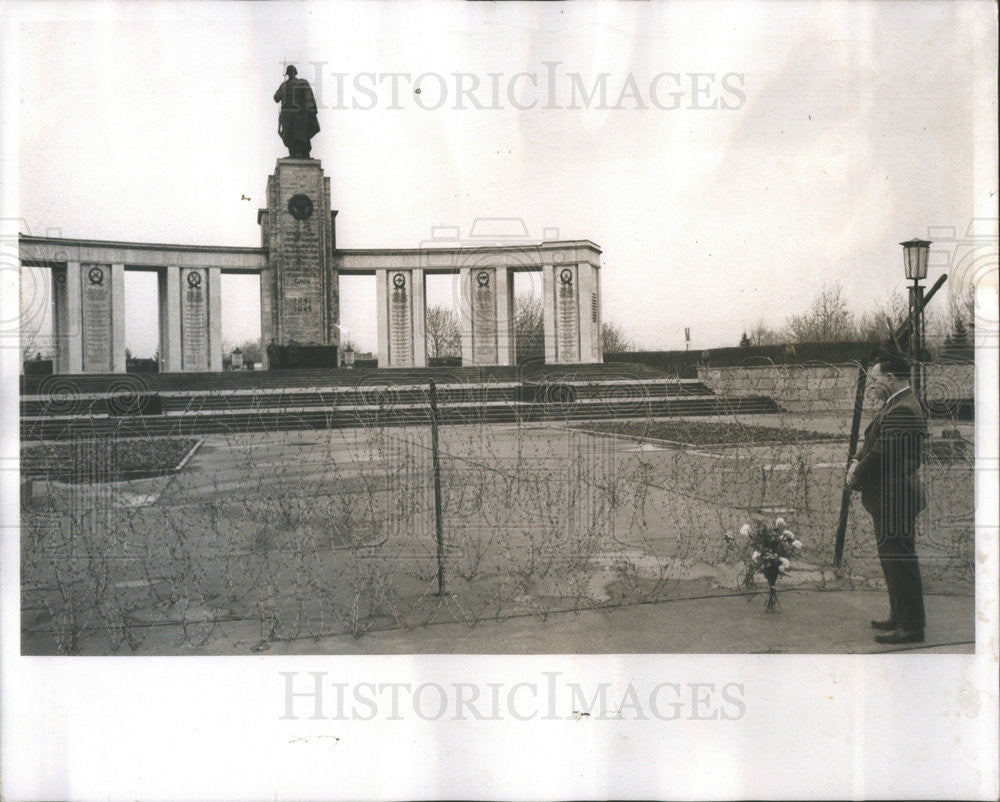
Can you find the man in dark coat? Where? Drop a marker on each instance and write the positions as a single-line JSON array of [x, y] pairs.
[[886, 472], [297, 122]]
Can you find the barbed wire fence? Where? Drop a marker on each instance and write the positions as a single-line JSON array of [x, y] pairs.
[[311, 532]]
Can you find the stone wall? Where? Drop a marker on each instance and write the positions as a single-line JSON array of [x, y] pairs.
[[808, 388]]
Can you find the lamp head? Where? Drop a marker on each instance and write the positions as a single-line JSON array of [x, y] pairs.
[[915, 258]]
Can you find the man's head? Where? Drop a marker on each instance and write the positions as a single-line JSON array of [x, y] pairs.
[[889, 373], [291, 72]]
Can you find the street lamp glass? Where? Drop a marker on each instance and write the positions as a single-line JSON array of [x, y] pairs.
[[915, 257]]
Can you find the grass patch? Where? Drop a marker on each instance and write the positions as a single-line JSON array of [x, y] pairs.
[[704, 433], [106, 459]]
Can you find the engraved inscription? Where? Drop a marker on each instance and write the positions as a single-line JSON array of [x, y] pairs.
[[567, 318], [96, 320], [194, 323], [400, 324], [301, 277], [484, 320]]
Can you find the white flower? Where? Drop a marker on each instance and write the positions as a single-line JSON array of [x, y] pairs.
[[755, 556], [745, 530], [785, 562], [797, 544], [780, 523], [788, 535]]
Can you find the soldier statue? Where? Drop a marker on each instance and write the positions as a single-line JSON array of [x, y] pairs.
[[297, 122]]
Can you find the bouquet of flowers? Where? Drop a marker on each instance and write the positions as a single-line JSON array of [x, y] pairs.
[[767, 549]]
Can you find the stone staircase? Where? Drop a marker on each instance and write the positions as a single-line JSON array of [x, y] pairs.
[[182, 404]]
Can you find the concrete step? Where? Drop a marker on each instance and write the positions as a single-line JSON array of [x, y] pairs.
[[151, 382], [376, 393], [220, 421]]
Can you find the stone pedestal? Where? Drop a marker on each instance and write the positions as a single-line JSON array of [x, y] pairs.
[[486, 318], [95, 296], [89, 317], [571, 313], [299, 293], [400, 305]]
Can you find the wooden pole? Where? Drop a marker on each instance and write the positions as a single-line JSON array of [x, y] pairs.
[[845, 497], [859, 396], [438, 525]]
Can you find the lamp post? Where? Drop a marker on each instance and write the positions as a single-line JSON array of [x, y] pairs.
[[915, 262]]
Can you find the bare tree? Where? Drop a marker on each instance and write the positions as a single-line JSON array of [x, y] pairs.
[[528, 336], [878, 324], [444, 336], [828, 319], [251, 350], [760, 334], [613, 339]]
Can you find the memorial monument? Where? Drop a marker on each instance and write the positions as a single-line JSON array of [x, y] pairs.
[[299, 302], [299, 266]]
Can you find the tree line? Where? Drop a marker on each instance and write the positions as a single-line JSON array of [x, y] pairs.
[[949, 325]]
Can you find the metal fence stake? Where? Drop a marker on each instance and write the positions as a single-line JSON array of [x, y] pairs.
[[438, 525]]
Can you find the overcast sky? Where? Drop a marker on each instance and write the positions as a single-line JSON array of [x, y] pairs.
[[744, 155]]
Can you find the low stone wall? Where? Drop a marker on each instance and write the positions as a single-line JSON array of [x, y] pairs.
[[807, 388]]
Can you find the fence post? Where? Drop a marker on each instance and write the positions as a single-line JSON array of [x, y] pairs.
[[845, 493], [438, 526]]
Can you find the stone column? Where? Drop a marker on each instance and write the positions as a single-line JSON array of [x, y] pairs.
[[214, 318], [267, 325], [505, 318], [566, 313], [66, 322], [399, 301], [382, 314], [297, 233], [483, 295], [548, 313], [419, 320], [465, 314], [95, 311], [170, 320], [118, 318], [590, 319], [598, 300]]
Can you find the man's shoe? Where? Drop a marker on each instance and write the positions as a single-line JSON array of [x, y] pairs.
[[886, 625], [901, 636]]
